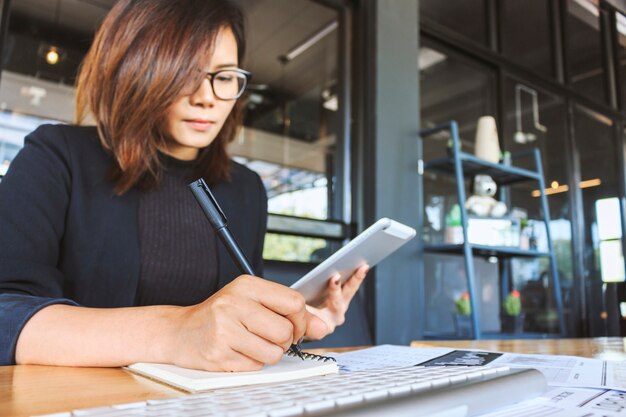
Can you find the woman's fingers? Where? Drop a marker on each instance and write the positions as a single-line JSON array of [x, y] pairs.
[[270, 326], [279, 299], [334, 297], [354, 282], [325, 318], [257, 348]]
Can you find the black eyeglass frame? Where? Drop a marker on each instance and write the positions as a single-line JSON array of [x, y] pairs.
[[211, 76]]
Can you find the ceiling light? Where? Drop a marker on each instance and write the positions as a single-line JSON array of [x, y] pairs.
[[428, 58], [331, 103], [550, 191], [590, 183], [564, 188], [520, 136], [52, 56], [305, 45]]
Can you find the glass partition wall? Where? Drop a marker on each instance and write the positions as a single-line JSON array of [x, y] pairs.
[[547, 72], [292, 133]]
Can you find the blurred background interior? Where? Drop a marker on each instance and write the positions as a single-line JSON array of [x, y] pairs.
[[551, 72]]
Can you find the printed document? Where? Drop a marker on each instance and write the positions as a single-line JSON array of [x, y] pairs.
[[560, 371]]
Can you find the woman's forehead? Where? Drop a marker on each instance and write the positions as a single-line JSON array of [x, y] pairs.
[[223, 50]]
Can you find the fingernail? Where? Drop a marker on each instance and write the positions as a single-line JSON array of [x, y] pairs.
[[336, 281]]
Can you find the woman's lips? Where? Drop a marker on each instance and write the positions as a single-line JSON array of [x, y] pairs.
[[199, 124]]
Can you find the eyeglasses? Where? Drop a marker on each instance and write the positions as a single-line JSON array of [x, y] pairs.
[[228, 84]]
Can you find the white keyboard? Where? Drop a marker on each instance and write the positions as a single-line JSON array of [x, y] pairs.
[[407, 391]]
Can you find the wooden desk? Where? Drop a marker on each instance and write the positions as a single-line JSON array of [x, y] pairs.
[[606, 348], [34, 390]]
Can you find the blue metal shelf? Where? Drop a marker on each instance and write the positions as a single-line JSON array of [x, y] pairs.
[[502, 174], [485, 250], [459, 164]]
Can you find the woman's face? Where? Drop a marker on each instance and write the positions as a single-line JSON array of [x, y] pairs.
[[194, 120]]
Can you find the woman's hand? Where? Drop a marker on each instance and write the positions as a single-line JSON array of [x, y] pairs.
[[248, 323], [331, 313]]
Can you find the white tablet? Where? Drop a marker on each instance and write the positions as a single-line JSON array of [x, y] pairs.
[[370, 247]]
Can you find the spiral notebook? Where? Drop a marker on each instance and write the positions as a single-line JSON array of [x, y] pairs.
[[192, 380]]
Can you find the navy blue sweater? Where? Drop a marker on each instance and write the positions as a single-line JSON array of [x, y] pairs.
[[65, 237]]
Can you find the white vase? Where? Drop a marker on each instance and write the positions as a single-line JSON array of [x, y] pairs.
[[487, 145]]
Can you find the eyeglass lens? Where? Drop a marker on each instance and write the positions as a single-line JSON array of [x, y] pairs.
[[228, 84]]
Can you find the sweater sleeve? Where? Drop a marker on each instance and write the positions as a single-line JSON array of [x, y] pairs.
[[34, 196]]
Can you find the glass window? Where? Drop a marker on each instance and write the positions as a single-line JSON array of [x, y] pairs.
[[609, 234], [291, 125], [526, 35], [599, 175], [467, 17], [584, 49], [537, 119], [290, 248]]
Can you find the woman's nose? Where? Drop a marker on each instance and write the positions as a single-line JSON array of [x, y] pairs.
[[204, 94]]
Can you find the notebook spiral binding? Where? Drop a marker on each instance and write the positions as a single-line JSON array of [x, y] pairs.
[[312, 356]]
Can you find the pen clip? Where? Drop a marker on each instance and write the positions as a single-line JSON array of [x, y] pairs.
[[209, 194]]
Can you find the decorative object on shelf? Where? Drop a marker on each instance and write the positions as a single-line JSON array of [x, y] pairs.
[[486, 142], [490, 231], [512, 319], [528, 238], [435, 222], [462, 318], [462, 305], [482, 203], [525, 233], [520, 136], [454, 227]]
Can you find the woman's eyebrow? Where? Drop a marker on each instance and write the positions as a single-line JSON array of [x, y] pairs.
[[230, 65]]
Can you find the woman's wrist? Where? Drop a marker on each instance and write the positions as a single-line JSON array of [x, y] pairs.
[[162, 346]]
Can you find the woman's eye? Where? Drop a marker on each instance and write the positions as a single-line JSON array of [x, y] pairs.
[[224, 78]]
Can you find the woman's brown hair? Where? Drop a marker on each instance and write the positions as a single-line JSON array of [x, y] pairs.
[[144, 56]]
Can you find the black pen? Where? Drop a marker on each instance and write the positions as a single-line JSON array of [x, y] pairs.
[[218, 220]]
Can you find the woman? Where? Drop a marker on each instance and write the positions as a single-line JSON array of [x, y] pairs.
[[106, 257]]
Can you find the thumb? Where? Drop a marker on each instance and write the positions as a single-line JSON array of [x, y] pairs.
[[316, 328]]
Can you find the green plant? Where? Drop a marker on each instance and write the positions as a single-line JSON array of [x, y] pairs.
[[454, 216], [513, 304], [462, 305]]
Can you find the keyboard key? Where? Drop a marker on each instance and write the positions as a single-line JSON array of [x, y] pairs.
[[375, 395], [196, 413], [347, 401], [420, 387], [140, 404], [294, 410], [400, 391], [315, 407], [440, 383], [98, 411]]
